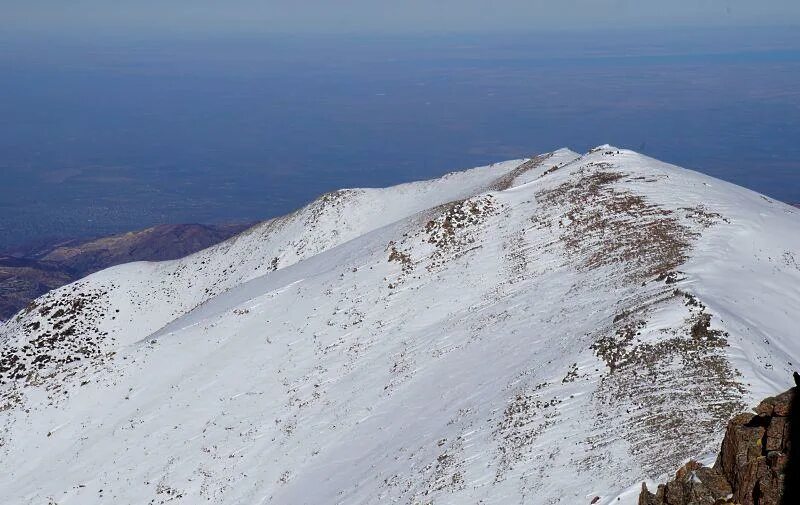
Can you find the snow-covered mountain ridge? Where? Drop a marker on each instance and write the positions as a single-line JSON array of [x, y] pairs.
[[535, 331]]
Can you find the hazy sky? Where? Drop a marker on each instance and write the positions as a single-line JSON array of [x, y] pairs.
[[395, 16]]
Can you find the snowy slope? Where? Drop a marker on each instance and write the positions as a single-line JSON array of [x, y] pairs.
[[536, 331]]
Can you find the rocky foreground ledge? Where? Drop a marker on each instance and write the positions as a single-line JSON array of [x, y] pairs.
[[755, 465]]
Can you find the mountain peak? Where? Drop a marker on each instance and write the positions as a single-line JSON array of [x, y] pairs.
[[458, 340]]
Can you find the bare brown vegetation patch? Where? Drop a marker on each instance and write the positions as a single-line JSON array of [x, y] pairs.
[[602, 225], [702, 216], [507, 181], [678, 382], [451, 231], [526, 417]]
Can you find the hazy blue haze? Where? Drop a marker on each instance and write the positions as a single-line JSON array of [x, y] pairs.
[[381, 16], [101, 137]]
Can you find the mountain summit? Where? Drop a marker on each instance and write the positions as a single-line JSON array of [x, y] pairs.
[[550, 330]]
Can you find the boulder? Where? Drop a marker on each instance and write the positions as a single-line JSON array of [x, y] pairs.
[[751, 468]]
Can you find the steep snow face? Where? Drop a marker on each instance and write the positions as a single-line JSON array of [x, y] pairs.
[[538, 331]]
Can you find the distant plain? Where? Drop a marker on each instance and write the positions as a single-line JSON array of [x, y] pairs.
[[102, 137]]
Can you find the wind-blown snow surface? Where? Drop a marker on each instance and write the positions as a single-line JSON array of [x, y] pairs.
[[536, 331]]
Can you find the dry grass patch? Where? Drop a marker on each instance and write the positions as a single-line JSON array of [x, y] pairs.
[[602, 225]]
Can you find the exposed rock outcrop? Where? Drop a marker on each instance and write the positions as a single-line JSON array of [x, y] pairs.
[[752, 467]]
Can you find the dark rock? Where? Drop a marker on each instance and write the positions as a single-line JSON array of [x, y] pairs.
[[752, 467], [694, 484]]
